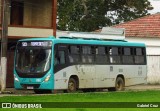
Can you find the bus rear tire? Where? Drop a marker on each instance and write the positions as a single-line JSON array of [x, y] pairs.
[[119, 85], [72, 86]]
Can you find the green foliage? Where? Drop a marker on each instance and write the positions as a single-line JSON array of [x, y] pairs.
[[90, 15]]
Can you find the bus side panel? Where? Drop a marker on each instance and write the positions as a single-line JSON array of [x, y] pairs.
[[135, 74], [62, 77], [102, 77], [85, 74]]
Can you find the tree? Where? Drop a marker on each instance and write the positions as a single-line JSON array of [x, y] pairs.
[[90, 15]]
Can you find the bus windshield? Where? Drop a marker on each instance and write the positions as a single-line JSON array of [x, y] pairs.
[[33, 60]]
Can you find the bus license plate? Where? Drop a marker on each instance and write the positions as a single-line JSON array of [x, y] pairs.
[[30, 87]]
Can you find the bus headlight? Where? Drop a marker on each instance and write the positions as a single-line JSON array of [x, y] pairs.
[[47, 78], [15, 78]]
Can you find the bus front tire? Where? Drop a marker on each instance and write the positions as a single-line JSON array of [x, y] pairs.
[[72, 86], [119, 85]]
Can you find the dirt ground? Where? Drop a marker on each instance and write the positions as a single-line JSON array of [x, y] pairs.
[[12, 91], [143, 87]]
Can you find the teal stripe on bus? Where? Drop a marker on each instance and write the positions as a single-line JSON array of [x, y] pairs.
[[90, 42]]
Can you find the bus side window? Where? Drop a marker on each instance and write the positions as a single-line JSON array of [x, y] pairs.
[[60, 58], [101, 55], [139, 56], [74, 54], [115, 57], [127, 57], [56, 59], [87, 54]]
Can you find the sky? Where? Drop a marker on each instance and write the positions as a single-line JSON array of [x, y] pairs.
[[156, 5]]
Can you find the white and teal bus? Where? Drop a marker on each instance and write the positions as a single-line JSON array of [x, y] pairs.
[[72, 63]]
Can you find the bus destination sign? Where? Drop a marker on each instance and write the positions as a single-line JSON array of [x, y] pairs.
[[36, 44]]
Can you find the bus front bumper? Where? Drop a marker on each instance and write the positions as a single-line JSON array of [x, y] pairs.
[[29, 83]]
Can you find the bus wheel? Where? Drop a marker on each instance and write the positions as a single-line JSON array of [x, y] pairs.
[[72, 86], [119, 85]]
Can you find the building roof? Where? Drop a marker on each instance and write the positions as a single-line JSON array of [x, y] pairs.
[[147, 26]]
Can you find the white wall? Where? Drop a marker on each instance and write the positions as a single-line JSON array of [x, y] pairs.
[[153, 75]]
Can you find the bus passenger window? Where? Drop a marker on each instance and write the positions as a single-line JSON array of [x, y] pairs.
[[74, 54], [56, 61], [115, 55], [60, 58], [139, 56], [127, 56], [87, 54], [101, 55]]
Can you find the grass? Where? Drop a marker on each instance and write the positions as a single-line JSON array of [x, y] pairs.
[[130, 96]]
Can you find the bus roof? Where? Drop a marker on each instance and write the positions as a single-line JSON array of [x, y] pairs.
[[68, 40]]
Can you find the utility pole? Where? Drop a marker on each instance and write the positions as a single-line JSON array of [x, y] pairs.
[[4, 42], [54, 16]]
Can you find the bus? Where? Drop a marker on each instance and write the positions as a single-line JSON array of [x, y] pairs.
[[78, 63]]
